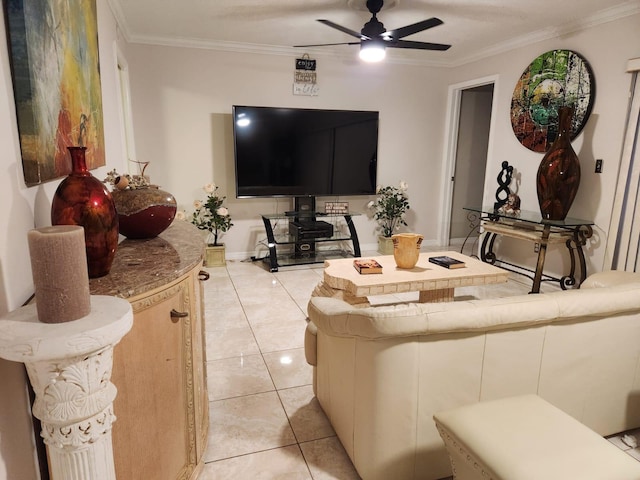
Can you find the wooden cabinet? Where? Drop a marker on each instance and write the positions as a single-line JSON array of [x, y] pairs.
[[159, 367]]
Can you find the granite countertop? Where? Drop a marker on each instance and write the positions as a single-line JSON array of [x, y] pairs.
[[143, 265]]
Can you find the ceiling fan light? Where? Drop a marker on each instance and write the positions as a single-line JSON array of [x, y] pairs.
[[372, 52]]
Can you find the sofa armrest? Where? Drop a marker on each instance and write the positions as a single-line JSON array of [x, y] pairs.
[[610, 278]]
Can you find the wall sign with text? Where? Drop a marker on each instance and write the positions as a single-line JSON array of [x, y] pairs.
[[305, 80]]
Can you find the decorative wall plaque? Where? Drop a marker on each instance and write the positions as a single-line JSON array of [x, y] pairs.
[[304, 77], [554, 79]]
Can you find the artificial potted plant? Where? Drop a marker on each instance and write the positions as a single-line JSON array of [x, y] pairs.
[[211, 215], [389, 209]]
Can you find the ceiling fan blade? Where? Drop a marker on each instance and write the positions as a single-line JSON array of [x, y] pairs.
[[418, 45], [326, 44], [346, 30], [413, 28]]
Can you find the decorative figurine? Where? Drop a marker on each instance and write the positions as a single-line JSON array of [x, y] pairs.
[[512, 206], [504, 180]]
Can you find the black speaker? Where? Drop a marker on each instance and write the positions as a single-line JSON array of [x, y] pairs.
[[305, 250], [305, 208]]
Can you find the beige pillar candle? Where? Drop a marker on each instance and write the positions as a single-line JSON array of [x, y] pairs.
[[60, 273]]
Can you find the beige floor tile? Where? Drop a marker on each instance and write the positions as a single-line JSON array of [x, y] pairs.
[[255, 290], [246, 425], [327, 460], [299, 282], [223, 313], [217, 272], [279, 463], [220, 286], [278, 310], [237, 268], [302, 300], [233, 377], [289, 368], [283, 335], [232, 342], [305, 414]]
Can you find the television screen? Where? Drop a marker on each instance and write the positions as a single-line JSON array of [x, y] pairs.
[[303, 152]]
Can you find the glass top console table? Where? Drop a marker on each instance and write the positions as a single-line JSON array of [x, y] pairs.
[[297, 238], [530, 226]]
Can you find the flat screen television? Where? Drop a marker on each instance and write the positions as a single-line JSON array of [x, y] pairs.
[[293, 152]]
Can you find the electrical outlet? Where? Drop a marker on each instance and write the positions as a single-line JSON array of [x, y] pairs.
[[536, 248], [599, 165]]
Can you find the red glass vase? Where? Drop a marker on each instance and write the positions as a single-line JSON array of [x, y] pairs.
[[81, 199], [558, 176]]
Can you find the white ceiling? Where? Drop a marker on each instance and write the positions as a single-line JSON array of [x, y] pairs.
[[474, 28]]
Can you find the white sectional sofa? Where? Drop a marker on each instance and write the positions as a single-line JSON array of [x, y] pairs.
[[382, 372]]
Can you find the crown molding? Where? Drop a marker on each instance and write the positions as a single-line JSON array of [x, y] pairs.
[[620, 11], [602, 17], [121, 20]]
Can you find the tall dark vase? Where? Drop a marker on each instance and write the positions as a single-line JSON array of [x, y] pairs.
[[81, 199], [558, 176]]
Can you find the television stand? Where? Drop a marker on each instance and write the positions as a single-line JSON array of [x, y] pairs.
[[299, 238]]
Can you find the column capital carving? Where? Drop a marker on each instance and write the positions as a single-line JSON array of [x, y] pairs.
[[69, 366]]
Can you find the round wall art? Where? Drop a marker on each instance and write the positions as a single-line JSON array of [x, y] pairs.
[[554, 79]]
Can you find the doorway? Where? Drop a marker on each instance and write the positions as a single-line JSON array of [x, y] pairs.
[[468, 144]]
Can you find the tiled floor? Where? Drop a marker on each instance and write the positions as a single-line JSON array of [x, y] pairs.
[[265, 422]]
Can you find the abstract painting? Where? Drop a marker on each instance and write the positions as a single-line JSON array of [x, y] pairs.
[[554, 79], [56, 83]]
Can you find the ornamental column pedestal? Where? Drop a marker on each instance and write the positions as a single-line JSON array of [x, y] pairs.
[[69, 366]]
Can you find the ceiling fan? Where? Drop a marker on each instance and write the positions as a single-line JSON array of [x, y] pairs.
[[374, 38]]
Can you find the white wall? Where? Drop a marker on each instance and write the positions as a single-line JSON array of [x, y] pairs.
[[182, 101], [23, 209], [607, 47]]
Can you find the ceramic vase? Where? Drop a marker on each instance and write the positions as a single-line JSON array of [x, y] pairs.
[[144, 212], [559, 172], [81, 199], [406, 249]]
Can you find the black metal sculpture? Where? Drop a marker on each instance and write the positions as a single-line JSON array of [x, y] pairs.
[[504, 180]]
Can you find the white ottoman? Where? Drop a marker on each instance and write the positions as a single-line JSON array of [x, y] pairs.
[[527, 438]]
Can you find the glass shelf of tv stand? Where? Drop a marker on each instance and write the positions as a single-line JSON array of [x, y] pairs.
[[317, 215], [287, 250]]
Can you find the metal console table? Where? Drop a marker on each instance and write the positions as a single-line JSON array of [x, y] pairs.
[[530, 226]]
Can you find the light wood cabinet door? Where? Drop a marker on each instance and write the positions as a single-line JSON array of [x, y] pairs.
[[200, 393], [154, 435]]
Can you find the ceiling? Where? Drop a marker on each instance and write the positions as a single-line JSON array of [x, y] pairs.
[[474, 28]]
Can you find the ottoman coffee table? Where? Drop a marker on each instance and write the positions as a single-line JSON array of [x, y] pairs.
[[435, 283]]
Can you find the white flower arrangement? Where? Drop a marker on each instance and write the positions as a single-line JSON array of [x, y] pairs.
[[211, 215]]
